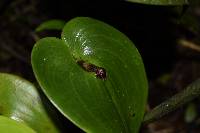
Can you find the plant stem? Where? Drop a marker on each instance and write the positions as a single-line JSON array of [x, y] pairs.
[[176, 101], [189, 44]]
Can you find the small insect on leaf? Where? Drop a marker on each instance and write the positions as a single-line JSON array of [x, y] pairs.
[[99, 71]]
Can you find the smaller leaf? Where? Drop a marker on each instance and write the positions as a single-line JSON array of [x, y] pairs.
[[11, 126], [51, 25], [160, 2], [20, 101]]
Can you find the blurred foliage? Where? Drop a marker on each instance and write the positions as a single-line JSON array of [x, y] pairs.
[[51, 25], [161, 2], [11, 126], [190, 113]]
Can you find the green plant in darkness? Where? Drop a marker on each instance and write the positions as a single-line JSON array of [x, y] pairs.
[[93, 74]]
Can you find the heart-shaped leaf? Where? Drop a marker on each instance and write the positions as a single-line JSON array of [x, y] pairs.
[[19, 100], [94, 76], [11, 126]]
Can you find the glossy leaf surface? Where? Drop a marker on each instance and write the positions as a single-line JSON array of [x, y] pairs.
[[19, 100], [11, 126], [161, 2], [94, 76]]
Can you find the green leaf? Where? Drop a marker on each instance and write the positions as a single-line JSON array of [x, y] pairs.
[[94, 76], [190, 113], [51, 25], [11, 126], [19, 100], [160, 2]]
